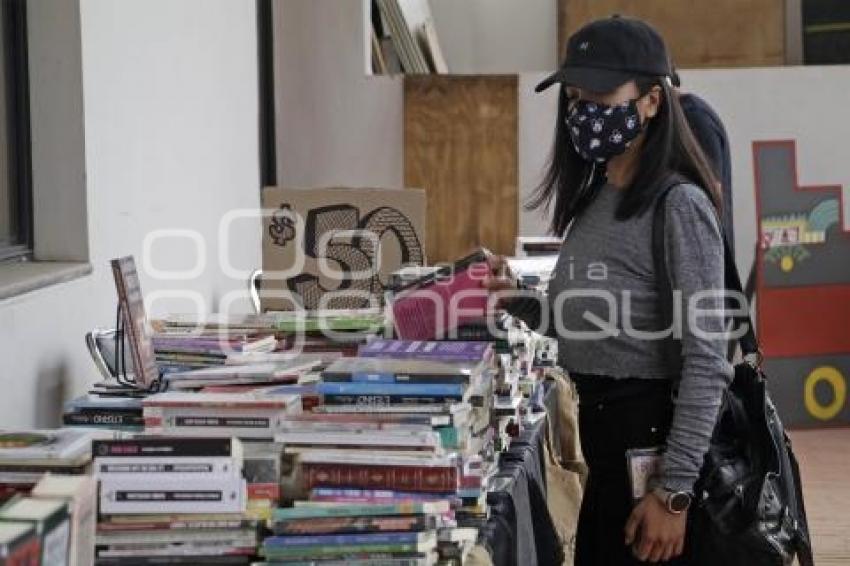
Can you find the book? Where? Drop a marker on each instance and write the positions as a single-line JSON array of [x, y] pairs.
[[391, 389], [408, 477], [431, 307], [165, 466], [287, 371], [427, 539], [342, 525], [136, 327], [51, 521], [410, 371], [171, 447], [80, 492], [278, 552], [348, 495], [470, 352], [311, 511], [19, 545], [142, 494], [60, 447]]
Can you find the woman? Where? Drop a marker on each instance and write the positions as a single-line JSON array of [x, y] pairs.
[[620, 135]]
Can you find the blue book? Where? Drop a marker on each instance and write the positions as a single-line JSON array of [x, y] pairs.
[[392, 389], [348, 540]]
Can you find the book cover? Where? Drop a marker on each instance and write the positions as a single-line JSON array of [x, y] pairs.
[[431, 307], [136, 326]]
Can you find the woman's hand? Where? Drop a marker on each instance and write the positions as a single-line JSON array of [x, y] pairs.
[[655, 534], [499, 278]]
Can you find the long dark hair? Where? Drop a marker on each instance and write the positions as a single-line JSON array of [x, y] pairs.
[[668, 147]]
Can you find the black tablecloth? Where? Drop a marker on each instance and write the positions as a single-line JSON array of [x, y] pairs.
[[519, 530]]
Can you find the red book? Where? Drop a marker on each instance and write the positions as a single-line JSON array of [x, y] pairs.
[[401, 478]]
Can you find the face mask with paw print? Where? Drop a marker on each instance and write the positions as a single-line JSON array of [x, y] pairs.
[[600, 132]]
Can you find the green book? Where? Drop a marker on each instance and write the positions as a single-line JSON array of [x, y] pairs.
[[315, 510]]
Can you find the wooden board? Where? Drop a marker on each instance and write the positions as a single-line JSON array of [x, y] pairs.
[[719, 33], [460, 145]]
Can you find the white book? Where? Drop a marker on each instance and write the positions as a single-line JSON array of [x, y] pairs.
[[369, 458], [165, 467], [65, 445], [213, 422], [147, 494], [81, 494]]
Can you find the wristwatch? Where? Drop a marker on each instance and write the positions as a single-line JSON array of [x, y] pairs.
[[677, 502]]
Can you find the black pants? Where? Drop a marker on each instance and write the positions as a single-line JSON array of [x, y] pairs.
[[615, 415]]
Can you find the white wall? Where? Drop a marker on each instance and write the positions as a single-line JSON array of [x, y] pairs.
[[170, 96], [497, 36]]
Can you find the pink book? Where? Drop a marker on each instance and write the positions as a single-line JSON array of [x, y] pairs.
[[429, 308]]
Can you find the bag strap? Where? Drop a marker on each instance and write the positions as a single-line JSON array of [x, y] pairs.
[[732, 281]]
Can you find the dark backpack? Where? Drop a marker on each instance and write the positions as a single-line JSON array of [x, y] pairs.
[[749, 507]]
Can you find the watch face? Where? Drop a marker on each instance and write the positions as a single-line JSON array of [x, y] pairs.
[[679, 502]]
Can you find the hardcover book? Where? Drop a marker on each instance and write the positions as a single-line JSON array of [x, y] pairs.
[[136, 326], [436, 304]]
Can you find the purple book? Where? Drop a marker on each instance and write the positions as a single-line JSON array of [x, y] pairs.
[[420, 350]]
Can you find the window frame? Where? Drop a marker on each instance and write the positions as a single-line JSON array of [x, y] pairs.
[[14, 22]]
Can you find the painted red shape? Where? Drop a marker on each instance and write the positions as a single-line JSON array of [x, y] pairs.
[[800, 321]]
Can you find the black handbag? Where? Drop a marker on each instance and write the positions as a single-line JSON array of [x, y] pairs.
[[748, 506]]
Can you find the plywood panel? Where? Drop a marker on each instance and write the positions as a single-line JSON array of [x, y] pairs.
[[719, 33], [460, 145]]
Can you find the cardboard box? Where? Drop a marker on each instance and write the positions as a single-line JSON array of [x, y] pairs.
[[337, 247]]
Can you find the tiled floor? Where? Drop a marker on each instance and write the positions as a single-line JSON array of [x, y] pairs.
[[824, 457]]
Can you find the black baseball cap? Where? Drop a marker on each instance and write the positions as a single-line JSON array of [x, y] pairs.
[[609, 52]]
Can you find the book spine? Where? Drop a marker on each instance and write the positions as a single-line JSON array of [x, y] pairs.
[[402, 478], [274, 551], [171, 447], [353, 525], [103, 418], [370, 495], [166, 467], [346, 539], [407, 389], [386, 400], [187, 496]]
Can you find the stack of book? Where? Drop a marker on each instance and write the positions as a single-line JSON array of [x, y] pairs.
[[174, 500], [177, 351], [370, 533], [328, 331], [26, 455], [251, 375], [404, 423]]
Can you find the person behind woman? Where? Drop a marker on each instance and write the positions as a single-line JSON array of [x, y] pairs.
[[620, 135]]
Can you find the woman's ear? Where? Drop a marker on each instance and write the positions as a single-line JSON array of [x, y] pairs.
[[652, 102]]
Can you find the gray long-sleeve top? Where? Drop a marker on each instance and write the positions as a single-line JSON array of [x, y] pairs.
[[604, 286]]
